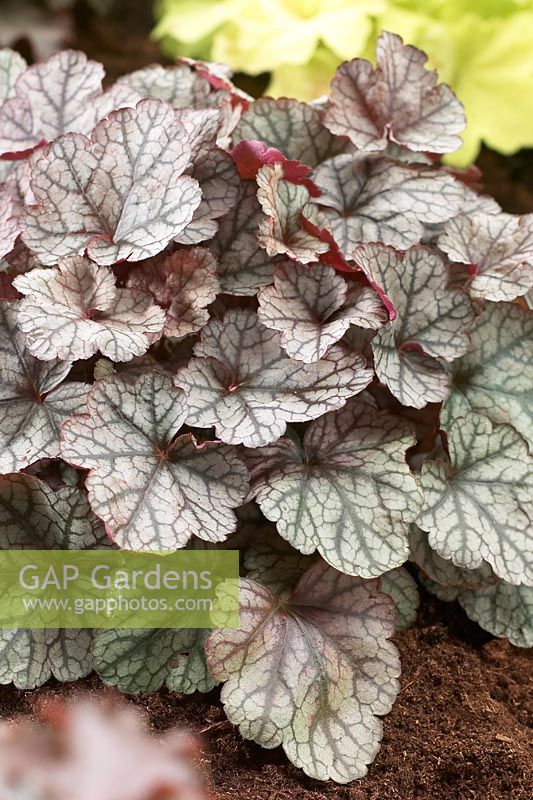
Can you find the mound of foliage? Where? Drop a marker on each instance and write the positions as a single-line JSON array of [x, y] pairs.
[[271, 326]]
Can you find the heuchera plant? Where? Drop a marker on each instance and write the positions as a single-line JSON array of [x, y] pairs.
[[323, 331]]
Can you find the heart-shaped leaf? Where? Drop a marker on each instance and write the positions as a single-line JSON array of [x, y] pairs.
[[243, 265], [375, 199], [476, 506], [243, 383], [141, 660], [74, 310], [314, 306], [12, 65], [153, 489], [32, 403], [119, 195], [178, 85], [496, 375], [498, 249], [35, 518], [430, 324], [293, 128], [284, 204], [183, 283], [345, 491], [503, 610], [443, 571], [311, 672], [398, 101]]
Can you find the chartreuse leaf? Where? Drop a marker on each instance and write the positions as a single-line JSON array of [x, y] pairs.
[[495, 376], [345, 491], [75, 309], [312, 671], [152, 488], [32, 403], [429, 326], [398, 101], [120, 194], [183, 284], [498, 249], [143, 660], [33, 517], [477, 507], [375, 199], [313, 307], [401, 586], [242, 382]]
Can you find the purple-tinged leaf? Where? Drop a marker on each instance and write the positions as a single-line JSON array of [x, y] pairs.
[[284, 204], [33, 517], [152, 488], [243, 383], [183, 284], [398, 101], [498, 249], [313, 307], [119, 195], [311, 673], [178, 85], [49, 99], [430, 326], [374, 199], [345, 491], [293, 128], [32, 403], [477, 506], [243, 266], [75, 310]]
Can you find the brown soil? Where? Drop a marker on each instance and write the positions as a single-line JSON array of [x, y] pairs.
[[460, 730]]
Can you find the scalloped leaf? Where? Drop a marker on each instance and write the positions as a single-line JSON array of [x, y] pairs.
[[401, 586], [313, 307], [293, 128], [74, 310], [430, 324], [375, 199], [32, 403], [49, 99], [498, 249], [242, 382], [284, 205], [243, 266], [496, 375], [398, 101], [178, 85], [504, 610], [119, 195], [143, 660], [34, 517], [476, 506], [311, 673], [153, 489], [345, 491], [183, 283], [443, 571]]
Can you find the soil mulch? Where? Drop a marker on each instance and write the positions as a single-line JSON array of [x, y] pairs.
[[461, 728]]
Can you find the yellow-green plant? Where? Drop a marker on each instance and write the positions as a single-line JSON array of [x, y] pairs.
[[482, 48]]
